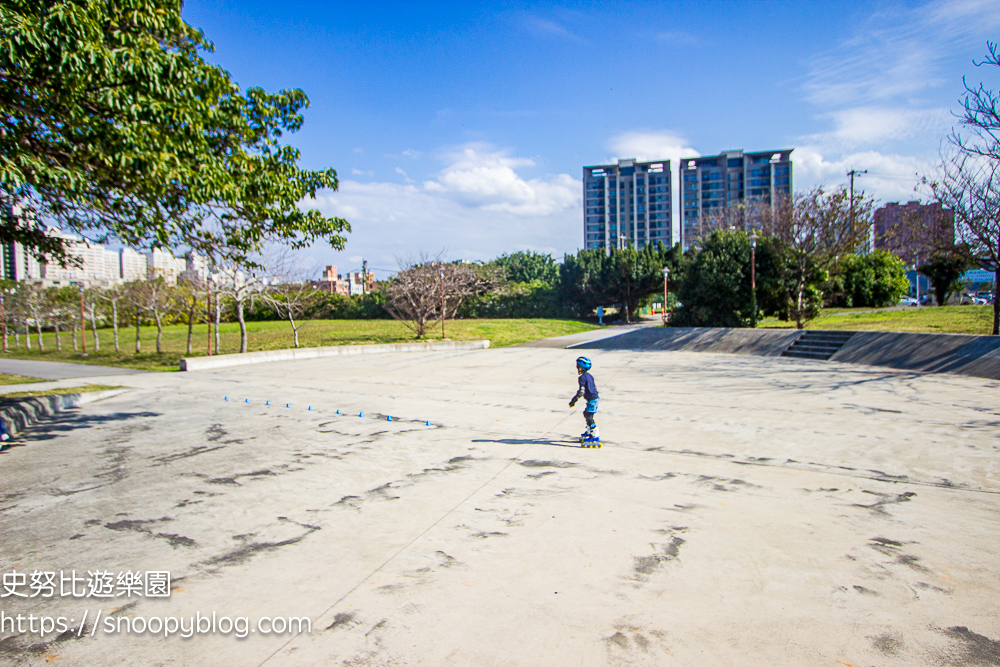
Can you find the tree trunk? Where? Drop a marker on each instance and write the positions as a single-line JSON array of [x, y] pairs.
[[75, 345], [996, 300], [295, 330], [93, 325], [218, 316], [38, 329], [114, 323], [243, 326], [159, 330], [17, 338], [55, 323], [27, 336], [194, 302], [138, 345]]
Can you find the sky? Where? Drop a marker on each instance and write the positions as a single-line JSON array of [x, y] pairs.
[[461, 129]]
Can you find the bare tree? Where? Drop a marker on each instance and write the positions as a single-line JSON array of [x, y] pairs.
[[293, 295], [816, 227], [91, 297], [189, 296], [242, 284], [981, 114], [159, 300], [425, 290], [34, 311], [135, 300], [970, 186], [113, 296]]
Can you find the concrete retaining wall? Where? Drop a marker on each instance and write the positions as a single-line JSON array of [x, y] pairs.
[[761, 342], [978, 356], [19, 413], [225, 360]]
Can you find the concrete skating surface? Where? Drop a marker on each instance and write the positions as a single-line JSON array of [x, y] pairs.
[[743, 511], [57, 370]]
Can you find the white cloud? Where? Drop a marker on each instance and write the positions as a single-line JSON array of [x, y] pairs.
[[874, 125], [476, 208], [890, 177], [404, 175], [358, 172], [548, 28], [480, 177], [410, 153], [898, 52]]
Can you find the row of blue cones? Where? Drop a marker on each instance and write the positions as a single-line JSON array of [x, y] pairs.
[[289, 405]]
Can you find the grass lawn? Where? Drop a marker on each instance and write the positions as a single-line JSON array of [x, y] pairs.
[[926, 319], [11, 378], [59, 392], [277, 336]]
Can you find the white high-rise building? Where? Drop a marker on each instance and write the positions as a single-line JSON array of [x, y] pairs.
[[132, 265], [160, 263]]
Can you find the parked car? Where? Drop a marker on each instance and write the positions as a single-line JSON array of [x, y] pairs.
[[908, 301], [926, 300], [972, 299], [986, 295]]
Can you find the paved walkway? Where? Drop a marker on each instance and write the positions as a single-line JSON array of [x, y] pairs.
[[55, 370], [744, 511]]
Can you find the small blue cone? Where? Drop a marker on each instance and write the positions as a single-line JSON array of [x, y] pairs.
[[428, 423], [246, 400], [310, 407], [361, 414], [338, 411], [267, 402], [389, 418], [226, 398], [288, 405]]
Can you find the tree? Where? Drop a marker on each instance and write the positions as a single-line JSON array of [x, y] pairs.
[[944, 270], [526, 266], [815, 228], [424, 290], [981, 114], [113, 125], [970, 186], [876, 279], [188, 299], [714, 285], [91, 297], [113, 296], [242, 284], [290, 300]]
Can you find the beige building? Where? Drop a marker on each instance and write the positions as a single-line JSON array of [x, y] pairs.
[[161, 263]]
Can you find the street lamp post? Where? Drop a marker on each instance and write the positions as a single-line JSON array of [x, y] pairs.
[[3, 320], [753, 276], [83, 323], [442, 303], [666, 274]]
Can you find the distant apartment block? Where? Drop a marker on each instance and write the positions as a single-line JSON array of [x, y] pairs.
[[627, 203], [333, 282], [162, 264], [914, 230], [713, 188]]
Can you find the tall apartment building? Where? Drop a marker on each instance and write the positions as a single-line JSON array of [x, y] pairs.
[[628, 202], [161, 263], [712, 186]]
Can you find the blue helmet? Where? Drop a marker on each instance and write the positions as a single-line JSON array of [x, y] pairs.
[[584, 363]]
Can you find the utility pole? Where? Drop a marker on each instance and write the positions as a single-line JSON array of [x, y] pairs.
[[442, 303], [364, 276], [83, 323], [208, 307], [852, 173]]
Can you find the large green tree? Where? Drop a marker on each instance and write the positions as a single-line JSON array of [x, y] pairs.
[[715, 284], [526, 266], [113, 125], [875, 279]]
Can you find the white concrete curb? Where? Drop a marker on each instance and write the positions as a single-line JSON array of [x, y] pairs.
[[224, 360]]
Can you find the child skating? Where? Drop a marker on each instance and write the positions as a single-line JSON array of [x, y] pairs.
[[588, 390]]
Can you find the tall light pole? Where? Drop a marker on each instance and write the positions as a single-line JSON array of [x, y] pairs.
[[83, 322], [753, 276], [208, 304], [666, 274], [852, 173], [3, 320], [442, 303]]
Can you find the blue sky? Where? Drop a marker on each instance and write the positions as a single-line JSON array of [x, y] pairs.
[[464, 127]]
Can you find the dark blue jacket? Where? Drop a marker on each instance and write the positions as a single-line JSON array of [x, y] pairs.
[[588, 387]]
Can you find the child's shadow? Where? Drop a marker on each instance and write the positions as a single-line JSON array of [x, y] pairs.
[[535, 441]]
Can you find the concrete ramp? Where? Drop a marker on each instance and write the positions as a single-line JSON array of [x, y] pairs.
[[759, 342], [978, 356]]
